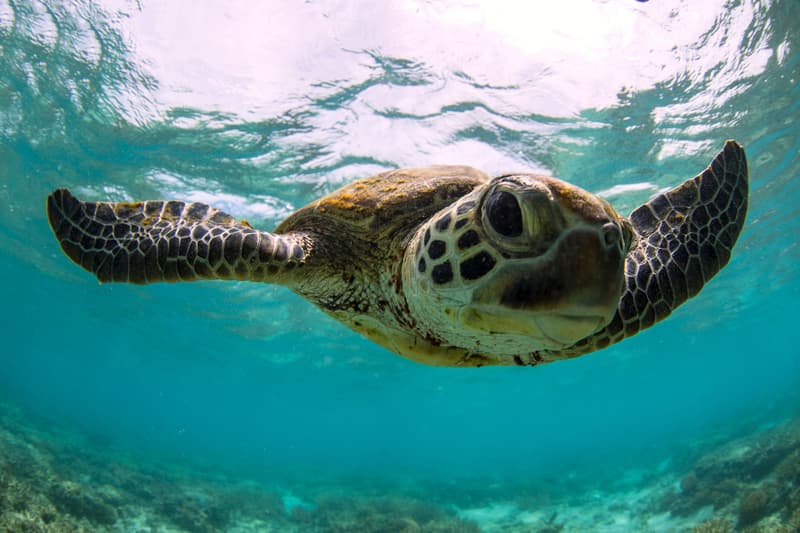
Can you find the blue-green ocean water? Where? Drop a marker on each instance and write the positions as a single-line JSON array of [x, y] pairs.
[[259, 108]]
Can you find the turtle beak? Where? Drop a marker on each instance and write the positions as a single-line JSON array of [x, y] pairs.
[[551, 331], [560, 297]]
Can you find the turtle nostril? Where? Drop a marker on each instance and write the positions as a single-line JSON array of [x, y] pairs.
[[611, 234]]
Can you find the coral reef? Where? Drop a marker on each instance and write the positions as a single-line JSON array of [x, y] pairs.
[[752, 484], [753, 507], [52, 482], [72, 498], [339, 514], [715, 525]]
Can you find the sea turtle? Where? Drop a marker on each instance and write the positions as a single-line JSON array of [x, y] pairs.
[[443, 264]]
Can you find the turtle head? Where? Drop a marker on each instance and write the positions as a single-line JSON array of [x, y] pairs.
[[522, 264]]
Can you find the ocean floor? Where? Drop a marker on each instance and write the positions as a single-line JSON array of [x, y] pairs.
[[55, 481]]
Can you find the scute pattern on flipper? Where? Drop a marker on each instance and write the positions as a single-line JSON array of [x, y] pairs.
[[685, 236], [144, 242], [688, 235]]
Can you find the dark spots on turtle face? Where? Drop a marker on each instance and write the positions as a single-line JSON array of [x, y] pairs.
[[518, 361], [477, 266], [468, 239], [443, 223], [460, 223], [426, 239], [442, 273], [272, 269], [437, 249], [421, 266], [465, 208]]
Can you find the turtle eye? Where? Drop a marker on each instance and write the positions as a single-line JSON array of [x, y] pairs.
[[504, 214]]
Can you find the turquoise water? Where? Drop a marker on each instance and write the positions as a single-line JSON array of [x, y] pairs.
[[259, 109]]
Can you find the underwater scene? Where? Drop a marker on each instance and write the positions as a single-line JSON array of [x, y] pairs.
[[240, 406]]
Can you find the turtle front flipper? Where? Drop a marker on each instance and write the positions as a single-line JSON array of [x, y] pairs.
[[146, 242], [683, 238]]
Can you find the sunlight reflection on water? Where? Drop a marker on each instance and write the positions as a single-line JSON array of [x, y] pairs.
[[554, 59]]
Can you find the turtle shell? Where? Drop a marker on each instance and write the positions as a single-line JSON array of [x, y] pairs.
[[383, 209]]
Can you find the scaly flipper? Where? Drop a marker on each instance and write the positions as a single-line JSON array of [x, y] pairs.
[[684, 237], [145, 242]]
